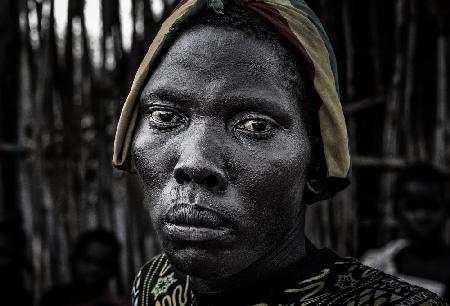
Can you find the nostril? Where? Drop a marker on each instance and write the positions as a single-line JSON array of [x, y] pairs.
[[210, 181], [182, 177], [210, 178]]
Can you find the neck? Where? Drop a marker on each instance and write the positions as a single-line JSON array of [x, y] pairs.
[[291, 250]]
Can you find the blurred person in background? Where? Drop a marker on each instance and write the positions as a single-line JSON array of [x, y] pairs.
[[420, 257], [94, 263], [13, 266]]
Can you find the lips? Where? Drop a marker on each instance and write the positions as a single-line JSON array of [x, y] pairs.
[[191, 222], [195, 216]]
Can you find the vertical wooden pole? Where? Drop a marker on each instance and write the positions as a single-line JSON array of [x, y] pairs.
[[411, 150], [442, 99], [9, 85], [391, 124]]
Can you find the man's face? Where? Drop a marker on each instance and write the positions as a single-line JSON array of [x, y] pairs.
[[95, 266], [422, 209], [222, 152]]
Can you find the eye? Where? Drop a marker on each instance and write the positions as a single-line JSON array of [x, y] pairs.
[[256, 126], [165, 118]]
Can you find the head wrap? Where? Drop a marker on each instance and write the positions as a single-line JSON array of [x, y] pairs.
[[299, 26]]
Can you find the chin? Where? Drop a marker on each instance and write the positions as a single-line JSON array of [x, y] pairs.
[[205, 263]]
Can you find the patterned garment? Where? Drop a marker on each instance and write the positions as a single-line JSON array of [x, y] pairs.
[[294, 21], [321, 278], [384, 260]]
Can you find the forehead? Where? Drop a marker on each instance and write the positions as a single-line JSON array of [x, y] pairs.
[[217, 62], [229, 45]]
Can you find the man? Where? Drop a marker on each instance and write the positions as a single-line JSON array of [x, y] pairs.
[[421, 256], [94, 263], [234, 124]]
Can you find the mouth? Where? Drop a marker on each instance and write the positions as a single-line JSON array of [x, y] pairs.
[[191, 222]]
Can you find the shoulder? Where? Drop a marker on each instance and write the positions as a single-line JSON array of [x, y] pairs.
[[403, 293], [346, 281], [150, 268], [358, 284], [158, 281]]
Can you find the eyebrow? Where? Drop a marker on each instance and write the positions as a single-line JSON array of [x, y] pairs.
[[165, 95], [236, 103]]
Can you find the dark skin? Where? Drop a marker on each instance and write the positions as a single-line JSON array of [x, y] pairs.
[[223, 152], [95, 267], [422, 211], [92, 270]]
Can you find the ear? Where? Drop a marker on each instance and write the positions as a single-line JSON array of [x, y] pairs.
[[315, 190], [316, 187], [132, 168]]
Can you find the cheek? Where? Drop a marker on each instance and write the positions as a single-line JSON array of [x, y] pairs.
[[154, 158], [272, 180]]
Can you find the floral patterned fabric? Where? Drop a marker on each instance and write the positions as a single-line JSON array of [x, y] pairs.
[[321, 278]]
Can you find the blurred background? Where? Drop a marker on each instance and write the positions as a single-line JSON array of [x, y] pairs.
[[66, 67]]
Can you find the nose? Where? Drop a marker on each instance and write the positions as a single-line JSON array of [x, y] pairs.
[[201, 162]]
